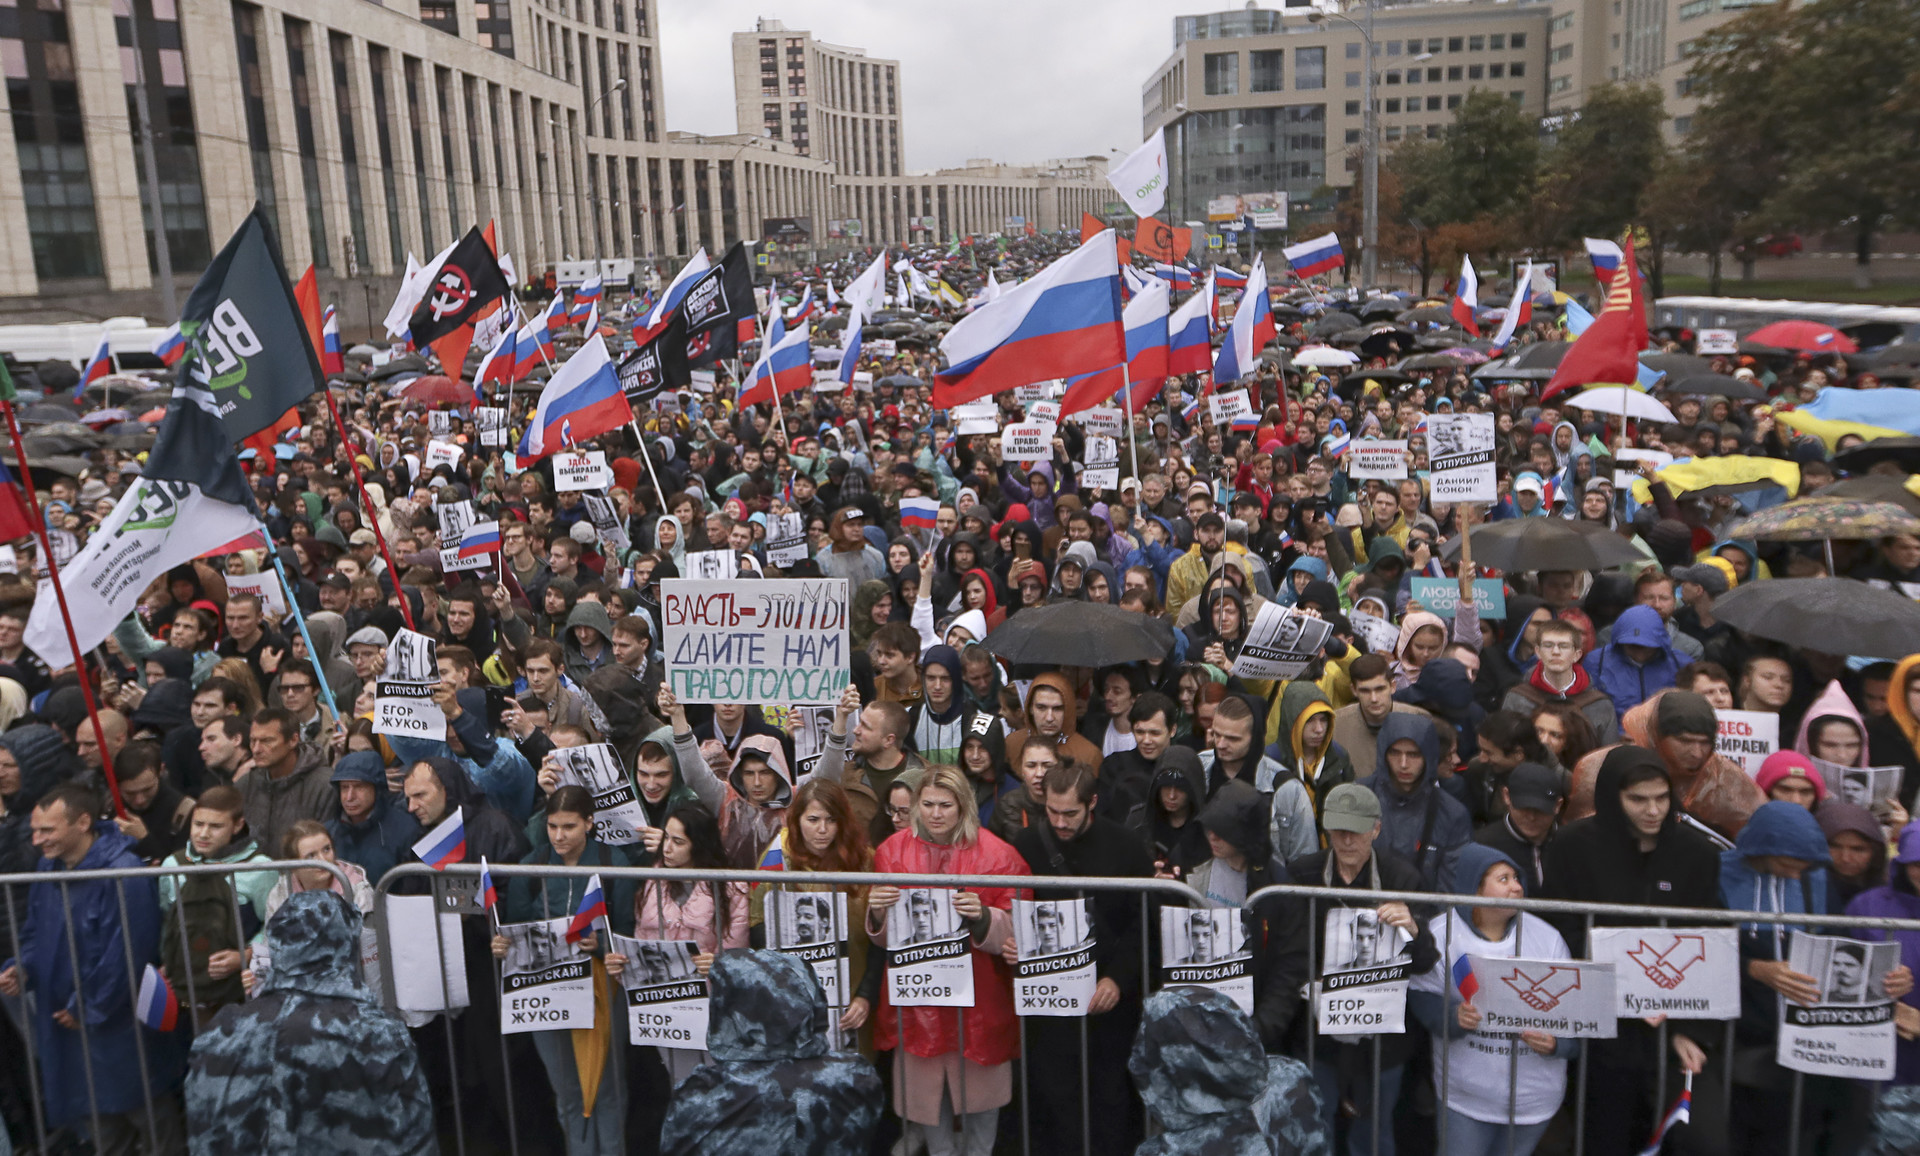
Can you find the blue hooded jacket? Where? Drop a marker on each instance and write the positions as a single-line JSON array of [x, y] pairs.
[[382, 841], [1315, 568], [1425, 826], [1624, 681], [1789, 830]]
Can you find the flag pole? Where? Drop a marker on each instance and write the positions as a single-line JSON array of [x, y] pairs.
[[66, 617], [300, 620], [1133, 446], [373, 520]]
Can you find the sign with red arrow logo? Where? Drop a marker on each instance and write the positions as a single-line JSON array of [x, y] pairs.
[[1562, 997], [1690, 972]]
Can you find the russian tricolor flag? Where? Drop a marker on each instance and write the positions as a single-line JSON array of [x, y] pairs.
[[593, 907], [172, 346], [1063, 322], [1247, 422], [1178, 277], [498, 365], [446, 843], [585, 298], [785, 366], [805, 309], [1519, 310], [582, 400], [1680, 1113], [156, 1005], [655, 319], [488, 898], [527, 344], [543, 332], [1606, 256], [1251, 330], [332, 360], [1466, 297], [1463, 978], [1190, 336], [918, 513], [1316, 256], [99, 367], [1146, 322], [480, 540], [1227, 278]]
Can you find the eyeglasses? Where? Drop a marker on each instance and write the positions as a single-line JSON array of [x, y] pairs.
[[1555, 646], [898, 812]]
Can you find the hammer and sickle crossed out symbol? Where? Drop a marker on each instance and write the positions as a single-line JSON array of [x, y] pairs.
[[1667, 968], [451, 292], [1546, 992]]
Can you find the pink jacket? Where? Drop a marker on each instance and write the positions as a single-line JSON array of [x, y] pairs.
[[693, 919]]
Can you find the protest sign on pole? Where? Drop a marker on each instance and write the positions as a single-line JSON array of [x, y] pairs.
[[1570, 998], [666, 996], [786, 539], [1685, 972], [1849, 1032], [1460, 452], [770, 640], [1748, 736], [546, 983], [1374, 458], [491, 424], [929, 960], [576, 470], [442, 454], [266, 585], [1280, 643], [617, 820], [1366, 965], [454, 517], [1207, 947], [1222, 408], [1054, 941], [403, 694], [1026, 442], [606, 524], [1102, 470], [1442, 596], [1102, 421], [439, 423]]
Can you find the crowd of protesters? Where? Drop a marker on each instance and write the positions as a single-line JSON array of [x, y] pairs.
[[1566, 750]]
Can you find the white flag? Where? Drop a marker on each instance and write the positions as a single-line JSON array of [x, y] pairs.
[[1141, 179], [1515, 309]]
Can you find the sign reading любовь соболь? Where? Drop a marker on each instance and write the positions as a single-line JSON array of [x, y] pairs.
[[748, 640]]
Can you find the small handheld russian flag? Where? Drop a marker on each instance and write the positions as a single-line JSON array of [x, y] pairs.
[[593, 908], [157, 1006], [446, 843], [1191, 410], [480, 540], [1463, 978], [172, 346], [1680, 1113], [918, 513], [488, 898], [1247, 422], [99, 366]]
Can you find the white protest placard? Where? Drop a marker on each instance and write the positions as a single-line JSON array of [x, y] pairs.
[[429, 970], [1861, 786], [1103, 421], [1027, 441], [491, 424], [1712, 341], [1364, 973], [1850, 1031], [1748, 736], [1571, 998], [929, 962], [616, 810], [439, 423], [1026, 395], [813, 926], [980, 407], [442, 454], [403, 694], [1102, 468], [1280, 643], [1055, 973], [786, 539], [1044, 411], [702, 380], [968, 426], [713, 565], [264, 585], [1687, 972], [546, 983], [1207, 947], [454, 517], [827, 381], [778, 640], [882, 347], [1374, 458], [1222, 408], [1460, 452], [1379, 634], [574, 470], [1623, 478], [606, 523], [666, 995]]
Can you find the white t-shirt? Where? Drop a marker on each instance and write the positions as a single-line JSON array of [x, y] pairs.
[[1476, 1064], [1117, 740]]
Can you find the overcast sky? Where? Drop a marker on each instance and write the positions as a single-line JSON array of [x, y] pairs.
[[1014, 80]]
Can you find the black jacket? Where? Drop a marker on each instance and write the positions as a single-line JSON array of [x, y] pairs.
[[1531, 859], [1106, 850]]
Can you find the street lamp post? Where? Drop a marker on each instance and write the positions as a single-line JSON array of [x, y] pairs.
[[1370, 158]]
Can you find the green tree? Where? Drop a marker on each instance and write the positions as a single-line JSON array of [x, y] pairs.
[[1595, 174], [1832, 81], [1490, 156]]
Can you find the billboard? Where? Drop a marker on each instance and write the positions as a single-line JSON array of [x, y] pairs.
[[787, 230], [1249, 210], [849, 227]]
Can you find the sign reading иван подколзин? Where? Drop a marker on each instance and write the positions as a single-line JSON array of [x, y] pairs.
[[777, 640]]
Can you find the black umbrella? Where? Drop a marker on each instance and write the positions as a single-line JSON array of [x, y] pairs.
[[1716, 385], [1385, 341], [48, 412], [406, 363], [901, 381], [1428, 314], [1541, 355], [1902, 452], [1905, 353], [1092, 634], [1521, 544], [1430, 361], [1830, 615], [1875, 489], [1381, 307], [1335, 322], [1676, 364]]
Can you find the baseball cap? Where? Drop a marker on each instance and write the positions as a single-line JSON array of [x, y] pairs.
[[1529, 481], [362, 537], [336, 580], [1710, 578], [1534, 787], [1199, 487], [1210, 518], [1351, 807]]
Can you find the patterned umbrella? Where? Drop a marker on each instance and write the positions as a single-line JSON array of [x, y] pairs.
[[1819, 519]]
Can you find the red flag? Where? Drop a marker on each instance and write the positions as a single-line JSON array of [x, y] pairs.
[[1090, 227], [1156, 240], [1609, 351], [262, 442], [15, 519], [307, 293]]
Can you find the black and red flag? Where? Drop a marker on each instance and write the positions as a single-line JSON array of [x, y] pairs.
[[467, 287]]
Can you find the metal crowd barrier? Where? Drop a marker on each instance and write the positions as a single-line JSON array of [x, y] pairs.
[[24, 1016]]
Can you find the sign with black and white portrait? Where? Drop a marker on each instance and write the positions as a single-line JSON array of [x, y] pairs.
[[666, 995], [616, 809], [546, 983], [1460, 451], [813, 926], [1365, 967], [491, 423], [1850, 1031], [1207, 947], [1055, 975], [403, 694], [929, 960]]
